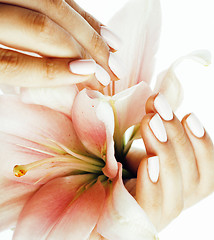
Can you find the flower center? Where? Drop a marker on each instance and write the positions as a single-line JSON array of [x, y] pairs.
[[62, 158]]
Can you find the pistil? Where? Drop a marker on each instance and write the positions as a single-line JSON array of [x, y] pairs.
[[21, 170]]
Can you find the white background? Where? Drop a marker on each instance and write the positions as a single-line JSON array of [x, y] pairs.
[[187, 25]]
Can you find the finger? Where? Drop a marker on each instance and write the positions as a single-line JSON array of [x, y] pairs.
[[156, 143], [134, 158], [77, 27], [26, 71], [148, 189], [204, 152], [110, 37], [180, 142], [87, 16], [34, 32]]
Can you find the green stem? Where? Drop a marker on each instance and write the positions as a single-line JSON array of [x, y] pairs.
[[117, 134]]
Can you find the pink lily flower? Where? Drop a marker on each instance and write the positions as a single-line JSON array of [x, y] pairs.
[[61, 149]]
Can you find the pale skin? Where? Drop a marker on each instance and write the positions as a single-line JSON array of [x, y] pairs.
[[41, 27], [186, 169], [188, 160]]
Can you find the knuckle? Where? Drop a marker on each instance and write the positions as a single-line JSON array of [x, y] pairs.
[[49, 69], [206, 187], [170, 163], [97, 43], [39, 23], [55, 3], [9, 61], [87, 17], [191, 188], [175, 211], [180, 138], [178, 208]]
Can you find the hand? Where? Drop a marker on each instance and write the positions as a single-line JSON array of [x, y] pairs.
[[178, 169], [59, 31]]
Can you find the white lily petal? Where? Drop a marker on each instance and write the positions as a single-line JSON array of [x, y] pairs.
[[105, 114], [140, 36], [6, 89], [122, 218], [169, 85], [130, 105], [58, 98]]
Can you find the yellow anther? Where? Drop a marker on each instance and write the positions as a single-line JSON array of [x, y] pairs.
[[19, 171]]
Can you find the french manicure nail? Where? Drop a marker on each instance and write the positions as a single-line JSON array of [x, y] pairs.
[[102, 76], [195, 125], [115, 65], [83, 66], [110, 37], [163, 107], [153, 168], [158, 128]]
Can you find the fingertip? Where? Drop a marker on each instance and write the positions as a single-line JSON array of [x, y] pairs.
[[144, 125], [149, 168], [116, 66], [194, 126], [153, 168], [150, 108], [146, 119], [113, 41], [142, 168], [82, 66]]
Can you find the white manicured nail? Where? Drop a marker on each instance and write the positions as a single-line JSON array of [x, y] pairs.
[[163, 107], [115, 64], [83, 66], [102, 76], [195, 125], [158, 128], [110, 37], [153, 168]]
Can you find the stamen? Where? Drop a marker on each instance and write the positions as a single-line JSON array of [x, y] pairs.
[[18, 171], [37, 150], [97, 162], [21, 170]]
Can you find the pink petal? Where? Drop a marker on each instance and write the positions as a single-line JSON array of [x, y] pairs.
[[58, 98], [94, 123], [13, 196], [80, 218], [130, 105], [90, 130], [24, 128], [43, 210], [138, 26], [122, 218]]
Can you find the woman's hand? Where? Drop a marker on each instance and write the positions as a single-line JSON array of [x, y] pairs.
[[61, 32], [178, 168]]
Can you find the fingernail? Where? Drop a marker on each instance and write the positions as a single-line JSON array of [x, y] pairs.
[[115, 64], [110, 37], [102, 76], [163, 107], [195, 125], [83, 66], [153, 168], [158, 128]]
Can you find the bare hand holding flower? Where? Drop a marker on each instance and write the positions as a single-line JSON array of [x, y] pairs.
[[177, 170]]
